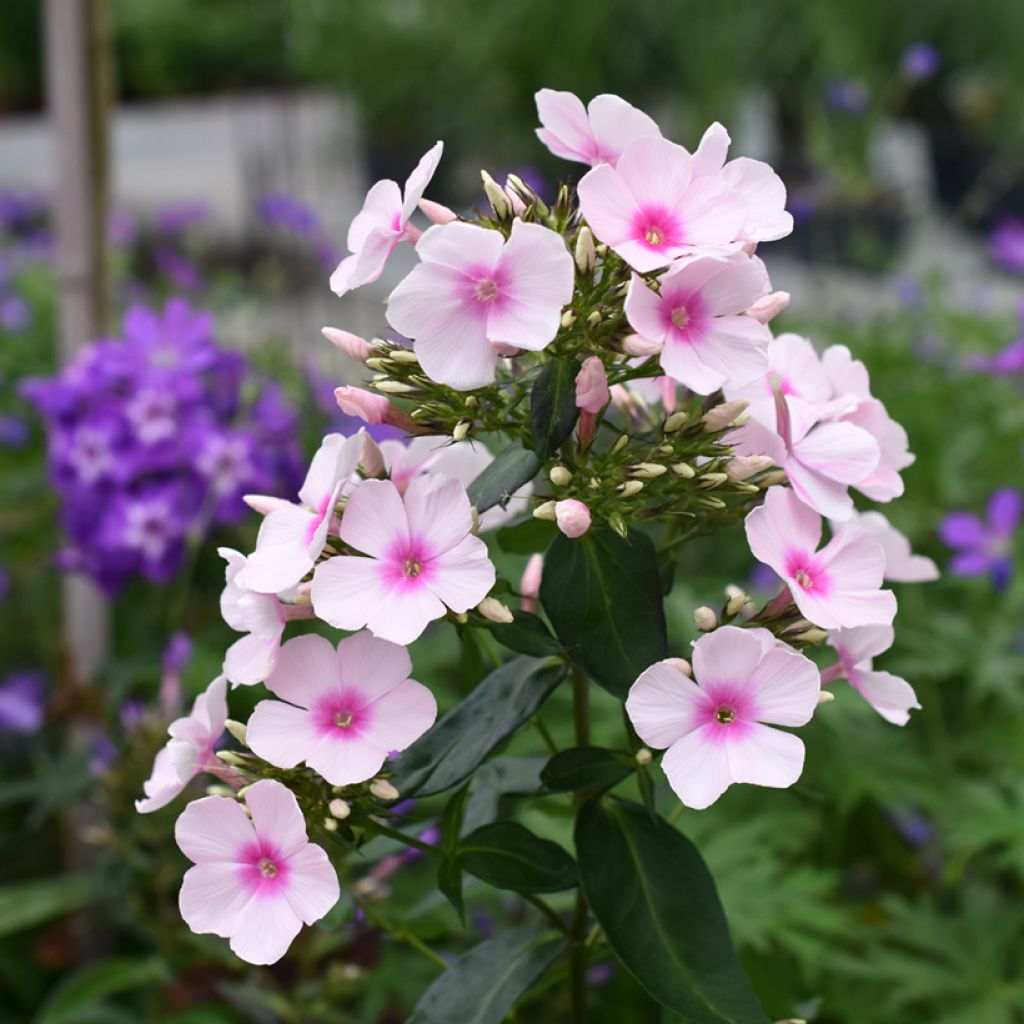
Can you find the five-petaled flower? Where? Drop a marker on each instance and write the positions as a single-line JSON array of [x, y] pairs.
[[892, 697], [985, 546]]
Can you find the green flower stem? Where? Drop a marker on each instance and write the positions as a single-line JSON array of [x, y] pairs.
[[402, 837], [401, 934], [578, 931]]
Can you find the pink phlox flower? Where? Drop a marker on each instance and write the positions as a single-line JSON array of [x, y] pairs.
[[346, 709], [292, 537], [761, 188], [371, 408], [892, 697], [716, 726], [836, 586], [572, 517], [382, 223], [473, 288], [595, 134], [254, 882], [901, 564], [189, 750], [699, 316], [651, 209], [422, 557]]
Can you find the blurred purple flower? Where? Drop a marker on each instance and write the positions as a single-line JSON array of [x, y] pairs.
[[914, 827], [173, 218], [280, 210], [132, 715], [920, 61], [103, 756], [181, 272], [177, 653], [122, 228], [5, 583], [600, 974], [13, 432], [985, 546], [1006, 244], [15, 313], [1004, 363], [909, 291], [22, 702], [846, 96]]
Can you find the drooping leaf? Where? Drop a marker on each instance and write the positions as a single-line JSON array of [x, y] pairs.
[[603, 596], [587, 769], [26, 904], [656, 902], [508, 855], [553, 410], [485, 983], [451, 750], [449, 870], [508, 472], [80, 995], [526, 634], [501, 776]]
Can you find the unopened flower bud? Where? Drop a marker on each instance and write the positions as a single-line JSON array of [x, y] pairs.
[[518, 206], [727, 414], [705, 619], [546, 510], [216, 789], [675, 422], [568, 319], [643, 757], [461, 618], [618, 524], [739, 467], [379, 363], [572, 517], [383, 790], [339, 808], [620, 443], [404, 355], [602, 250], [371, 458], [461, 431], [585, 253], [437, 213], [647, 470], [630, 488], [774, 478], [684, 469], [231, 758], [394, 387], [370, 408], [494, 611], [769, 306], [812, 636], [351, 344], [560, 476], [529, 585], [710, 501], [635, 345], [736, 603], [592, 393], [711, 480], [826, 697], [594, 319], [500, 202], [330, 824], [681, 664], [237, 729]]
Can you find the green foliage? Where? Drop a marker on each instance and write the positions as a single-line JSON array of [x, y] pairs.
[[508, 856], [27, 904], [508, 472], [553, 411], [589, 770]]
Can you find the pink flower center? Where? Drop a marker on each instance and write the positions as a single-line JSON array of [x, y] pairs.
[[724, 715], [408, 565], [804, 571], [343, 719], [342, 715], [267, 868], [658, 228], [486, 290], [263, 871], [680, 317], [412, 567], [729, 708]]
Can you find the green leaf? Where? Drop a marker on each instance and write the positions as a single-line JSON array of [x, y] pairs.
[[527, 537], [526, 634], [603, 596], [507, 855], [485, 983], [508, 472], [553, 410], [587, 769], [449, 871], [657, 904], [26, 904], [82, 992], [501, 776], [452, 749]]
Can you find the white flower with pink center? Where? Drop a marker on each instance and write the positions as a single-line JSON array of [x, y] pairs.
[[473, 290], [716, 725], [837, 586], [254, 882], [292, 537], [382, 223], [189, 751], [346, 710], [651, 209], [892, 697], [594, 134], [699, 318], [422, 557]]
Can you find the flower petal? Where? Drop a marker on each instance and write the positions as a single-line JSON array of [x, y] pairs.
[[211, 898], [663, 704], [307, 667], [345, 760], [276, 816], [312, 887], [778, 526], [401, 716], [892, 697], [280, 733], [347, 590], [785, 687], [373, 665], [264, 930], [766, 757], [463, 575], [374, 521], [213, 829], [697, 767]]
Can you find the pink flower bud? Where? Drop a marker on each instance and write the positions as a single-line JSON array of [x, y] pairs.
[[572, 517], [264, 503], [518, 206], [351, 344], [438, 213], [371, 460], [634, 345], [592, 386], [529, 585], [370, 408], [769, 306]]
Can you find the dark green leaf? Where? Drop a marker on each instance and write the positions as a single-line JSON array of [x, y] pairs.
[[449, 871], [553, 410], [657, 904], [511, 469], [453, 748], [26, 904], [527, 537], [603, 596], [582, 769], [526, 634], [507, 855], [81, 993], [485, 983], [501, 776]]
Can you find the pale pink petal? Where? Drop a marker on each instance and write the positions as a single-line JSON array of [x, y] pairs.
[[370, 408], [307, 666], [639, 256], [382, 202], [406, 611], [712, 212], [230, 610], [794, 359], [697, 767], [281, 734], [752, 438], [608, 207], [211, 707], [213, 829], [276, 816], [459, 356], [683, 363], [566, 127], [615, 124], [457, 246], [264, 929], [740, 282], [765, 196], [366, 265], [785, 687], [840, 451], [847, 375], [312, 887], [765, 757], [372, 665], [162, 786], [860, 645], [374, 520], [346, 590], [463, 575], [417, 182], [335, 461], [644, 309], [892, 697], [281, 557], [856, 560], [438, 513], [211, 899], [346, 760], [401, 716], [781, 524], [825, 496], [728, 655], [709, 156], [736, 347], [655, 172], [664, 704]]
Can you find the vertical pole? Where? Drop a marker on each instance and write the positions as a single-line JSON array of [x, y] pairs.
[[79, 83]]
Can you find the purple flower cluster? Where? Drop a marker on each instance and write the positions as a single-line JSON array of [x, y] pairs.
[[286, 213], [985, 546], [155, 437], [22, 702]]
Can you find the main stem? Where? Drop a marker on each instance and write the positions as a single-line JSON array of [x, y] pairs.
[[578, 935]]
